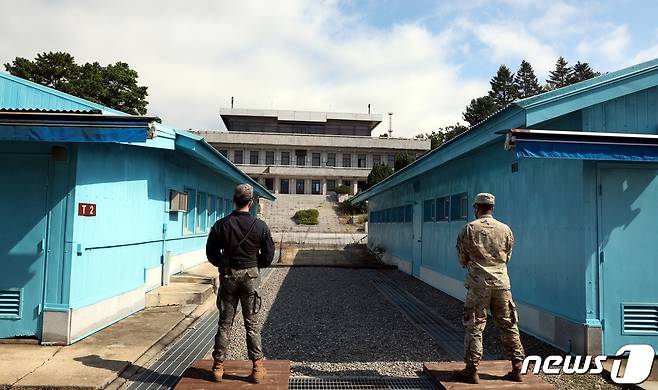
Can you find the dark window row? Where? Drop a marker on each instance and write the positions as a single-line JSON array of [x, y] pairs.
[[400, 214], [446, 208]]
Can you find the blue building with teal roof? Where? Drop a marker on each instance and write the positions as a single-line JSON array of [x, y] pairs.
[[92, 200], [575, 175]]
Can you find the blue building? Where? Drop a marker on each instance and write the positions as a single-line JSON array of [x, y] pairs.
[[92, 199], [575, 174]]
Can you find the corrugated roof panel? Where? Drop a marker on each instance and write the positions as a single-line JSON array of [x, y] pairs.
[[20, 94]]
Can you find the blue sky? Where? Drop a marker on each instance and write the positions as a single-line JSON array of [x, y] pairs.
[[423, 60]]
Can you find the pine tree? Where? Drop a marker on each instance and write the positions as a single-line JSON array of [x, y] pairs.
[[479, 109], [581, 72], [503, 91], [525, 81], [561, 76]]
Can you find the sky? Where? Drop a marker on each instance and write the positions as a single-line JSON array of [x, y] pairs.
[[422, 60]]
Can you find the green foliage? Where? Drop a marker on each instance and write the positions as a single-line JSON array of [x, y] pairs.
[[348, 208], [526, 82], [402, 160], [443, 135], [114, 85], [503, 91], [342, 189], [561, 76], [378, 173], [479, 109], [581, 72], [307, 216]]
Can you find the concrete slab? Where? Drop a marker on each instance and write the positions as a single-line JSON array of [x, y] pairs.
[[98, 359], [179, 293], [491, 372], [348, 256], [235, 376], [18, 360]]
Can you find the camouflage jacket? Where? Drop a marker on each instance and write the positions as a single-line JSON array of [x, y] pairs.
[[484, 248]]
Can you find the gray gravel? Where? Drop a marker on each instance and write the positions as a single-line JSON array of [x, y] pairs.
[[333, 321]]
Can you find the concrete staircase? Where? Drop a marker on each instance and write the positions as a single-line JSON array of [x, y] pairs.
[[278, 214], [191, 287]]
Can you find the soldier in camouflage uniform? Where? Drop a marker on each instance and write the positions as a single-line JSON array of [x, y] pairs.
[[484, 247]]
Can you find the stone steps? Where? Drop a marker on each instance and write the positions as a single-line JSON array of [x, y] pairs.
[[179, 294]]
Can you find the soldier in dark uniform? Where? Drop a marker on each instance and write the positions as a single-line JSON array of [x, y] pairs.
[[484, 248], [239, 244]]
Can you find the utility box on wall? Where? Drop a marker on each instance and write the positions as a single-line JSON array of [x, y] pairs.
[[177, 201]]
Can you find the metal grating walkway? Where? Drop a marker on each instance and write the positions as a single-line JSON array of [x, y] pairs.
[[359, 383], [444, 333]]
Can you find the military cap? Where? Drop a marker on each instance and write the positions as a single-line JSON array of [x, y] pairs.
[[485, 198]]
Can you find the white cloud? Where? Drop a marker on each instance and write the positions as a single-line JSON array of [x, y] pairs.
[[290, 55]]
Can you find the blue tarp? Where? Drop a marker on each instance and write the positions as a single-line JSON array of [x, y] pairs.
[[79, 133], [587, 151]]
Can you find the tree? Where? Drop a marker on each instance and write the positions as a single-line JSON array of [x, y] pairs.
[[402, 160], [114, 85], [581, 72], [526, 82], [561, 76], [479, 109], [378, 173], [503, 91]]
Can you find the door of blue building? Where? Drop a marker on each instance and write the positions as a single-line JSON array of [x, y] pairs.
[[417, 254], [628, 232], [22, 244]]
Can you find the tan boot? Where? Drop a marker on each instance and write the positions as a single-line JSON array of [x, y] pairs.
[[515, 374], [218, 371], [258, 373], [468, 375]]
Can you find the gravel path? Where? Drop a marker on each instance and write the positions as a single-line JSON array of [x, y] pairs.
[[333, 321]]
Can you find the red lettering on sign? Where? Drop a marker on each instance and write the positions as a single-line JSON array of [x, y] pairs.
[[87, 209]]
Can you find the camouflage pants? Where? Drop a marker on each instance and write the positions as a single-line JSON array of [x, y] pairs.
[[238, 285], [505, 317]]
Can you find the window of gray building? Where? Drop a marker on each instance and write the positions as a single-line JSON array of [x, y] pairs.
[[301, 158], [285, 186], [391, 160], [315, 160], [361, 160], [269, 157], [285, 159], [238, 157], [253, 157], [331, 185], [269, 183], [224, 152], [331, 159], [347, 160], [315, 187], [347, 183], [376, 159]]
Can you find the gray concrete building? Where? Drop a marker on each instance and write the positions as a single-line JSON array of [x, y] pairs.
[[305, 152]]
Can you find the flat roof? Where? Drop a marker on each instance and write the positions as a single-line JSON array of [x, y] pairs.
[[300, 116]]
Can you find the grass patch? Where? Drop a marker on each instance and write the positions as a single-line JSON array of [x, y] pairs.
[[307, 217]]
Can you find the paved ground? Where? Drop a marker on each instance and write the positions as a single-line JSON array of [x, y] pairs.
[[279, 214]]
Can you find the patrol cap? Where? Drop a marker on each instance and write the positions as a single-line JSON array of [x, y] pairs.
[[485, 198]]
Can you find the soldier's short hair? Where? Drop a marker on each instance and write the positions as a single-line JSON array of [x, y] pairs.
[[243, 194]]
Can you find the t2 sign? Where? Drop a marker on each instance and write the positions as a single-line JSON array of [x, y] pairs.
[[87, 209]]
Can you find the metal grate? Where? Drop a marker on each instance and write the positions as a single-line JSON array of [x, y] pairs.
[[640, 318], [359, 383], [10, 303], [450, 339]]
